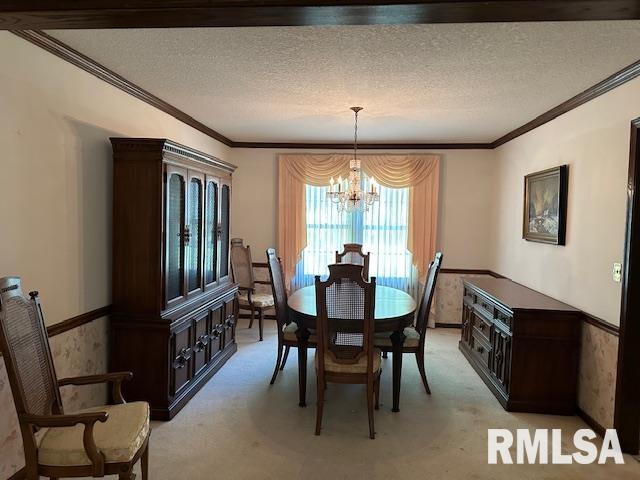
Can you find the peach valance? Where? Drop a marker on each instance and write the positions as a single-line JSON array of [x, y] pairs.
[[419, 172]]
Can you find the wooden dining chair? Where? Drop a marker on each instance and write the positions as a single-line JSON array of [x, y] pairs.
[[99, 441], [248, 298], [416, 336], [352, 253], [345, 324], [286, 328]]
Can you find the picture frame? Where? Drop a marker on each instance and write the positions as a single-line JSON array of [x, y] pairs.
[[545, 206]]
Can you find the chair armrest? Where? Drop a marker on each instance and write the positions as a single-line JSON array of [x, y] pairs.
[[88, 419], [115, 378]]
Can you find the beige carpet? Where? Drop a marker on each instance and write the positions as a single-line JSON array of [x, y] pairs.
[[240, 427]]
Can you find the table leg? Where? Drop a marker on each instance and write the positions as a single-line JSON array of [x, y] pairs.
[[397, 340], [303, 338]]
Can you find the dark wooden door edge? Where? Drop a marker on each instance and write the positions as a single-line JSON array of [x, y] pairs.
[[627, 406]]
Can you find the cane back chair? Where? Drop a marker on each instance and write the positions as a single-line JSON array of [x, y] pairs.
[[416, 336], [352, 253], [99, 441], [248, 298], [345, 353], [286, 329]]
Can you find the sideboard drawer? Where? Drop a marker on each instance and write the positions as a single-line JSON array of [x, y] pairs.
[[481, 349]]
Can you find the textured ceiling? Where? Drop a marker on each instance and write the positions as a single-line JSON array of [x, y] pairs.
[[418, 83]]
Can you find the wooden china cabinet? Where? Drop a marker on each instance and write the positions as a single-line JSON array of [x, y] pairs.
[[173, 317]]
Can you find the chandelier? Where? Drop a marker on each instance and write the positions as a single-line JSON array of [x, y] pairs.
[[348, 194]]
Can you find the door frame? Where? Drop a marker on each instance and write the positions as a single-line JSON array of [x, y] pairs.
[[627, 399]]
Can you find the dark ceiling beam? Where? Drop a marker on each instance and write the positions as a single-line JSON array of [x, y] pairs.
[[67, 14]]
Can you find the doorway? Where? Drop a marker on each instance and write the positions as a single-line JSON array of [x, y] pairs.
[[627, 403]]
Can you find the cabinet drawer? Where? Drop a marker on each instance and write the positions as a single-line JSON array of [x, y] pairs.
[[482, 326], [181, 357], [481, 349], [487, 306]]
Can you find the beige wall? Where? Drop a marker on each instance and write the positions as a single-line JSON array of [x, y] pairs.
[[465, 202], [594, 140], [56, 173]]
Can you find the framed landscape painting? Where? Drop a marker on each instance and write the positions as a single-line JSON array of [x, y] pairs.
[[545, 206]]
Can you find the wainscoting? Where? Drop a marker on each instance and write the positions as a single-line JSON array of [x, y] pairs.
[[79, 347]]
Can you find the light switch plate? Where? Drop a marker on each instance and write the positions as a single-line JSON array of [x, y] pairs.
[[617, 272]]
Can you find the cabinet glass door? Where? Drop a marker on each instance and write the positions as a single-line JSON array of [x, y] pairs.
[[210, 231], [225, 199], [193, 235], [174, 234]]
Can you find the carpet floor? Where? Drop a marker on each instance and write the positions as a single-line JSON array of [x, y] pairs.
[[240, 427]]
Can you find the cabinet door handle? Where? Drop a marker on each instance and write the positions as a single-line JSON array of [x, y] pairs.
[[480, 349], [183, 357], [498, 355], [202, 342]]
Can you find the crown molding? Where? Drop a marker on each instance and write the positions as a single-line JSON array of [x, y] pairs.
[[621, 77], [364, 146], [69, 14], [65, 52]]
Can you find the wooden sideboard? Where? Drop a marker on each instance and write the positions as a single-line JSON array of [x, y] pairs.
[[174, 307], [523, 344]]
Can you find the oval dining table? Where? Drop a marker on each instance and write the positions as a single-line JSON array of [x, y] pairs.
[[394, 310]]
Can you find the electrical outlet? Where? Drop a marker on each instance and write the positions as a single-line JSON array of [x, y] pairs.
[[617, 272]]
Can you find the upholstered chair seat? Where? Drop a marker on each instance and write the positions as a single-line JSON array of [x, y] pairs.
[[290, 333], [119, 438], [261, 300], [330, 365], [412, 338]]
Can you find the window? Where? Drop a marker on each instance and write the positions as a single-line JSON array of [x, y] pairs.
[[383, 231]]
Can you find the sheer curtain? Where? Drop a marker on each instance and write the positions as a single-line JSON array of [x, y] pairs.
[[383, 231]]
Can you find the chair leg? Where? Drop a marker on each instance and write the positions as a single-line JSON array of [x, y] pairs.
[[260, 321], [320, 404], [376, 386], [252, 316], [286, 355], [278, 359], [127, 476], [370, 401], [423, 373], [144, 463]]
